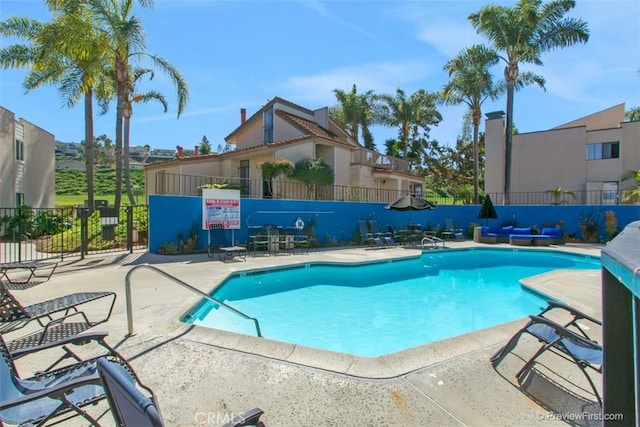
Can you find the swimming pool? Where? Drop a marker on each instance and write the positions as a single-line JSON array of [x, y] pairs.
[[378, 308]]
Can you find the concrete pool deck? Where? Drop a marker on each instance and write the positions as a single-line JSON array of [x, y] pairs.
[[203, 376]]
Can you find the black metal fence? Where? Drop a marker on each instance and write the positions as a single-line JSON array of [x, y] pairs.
[[30, 234], [192, 185]]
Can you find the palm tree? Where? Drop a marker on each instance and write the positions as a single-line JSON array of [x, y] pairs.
[[558, 194], [410, 115], [68, 52], [633, 114], [633, 195], [132, 98], [523, 32], [470, 82], [355, 113], [127, 43]]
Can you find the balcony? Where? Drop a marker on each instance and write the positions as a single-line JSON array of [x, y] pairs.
[[380, 161]]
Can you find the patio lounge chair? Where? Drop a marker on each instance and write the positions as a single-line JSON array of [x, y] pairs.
[[387, 238], [131, 407], [59, 317], [367, 237], [218, 243], [567, 340], [47, 395], [450, 232], [35, 270]]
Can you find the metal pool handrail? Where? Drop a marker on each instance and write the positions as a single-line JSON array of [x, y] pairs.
[[431, 240], [127, 285]]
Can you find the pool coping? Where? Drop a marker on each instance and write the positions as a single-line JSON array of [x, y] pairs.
[[386, 366]]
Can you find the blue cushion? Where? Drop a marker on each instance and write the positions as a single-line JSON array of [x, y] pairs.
[[555, 232], [522, 230], [490, 230], [506, 230]]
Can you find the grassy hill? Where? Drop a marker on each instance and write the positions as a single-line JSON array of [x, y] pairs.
[[71, 185]]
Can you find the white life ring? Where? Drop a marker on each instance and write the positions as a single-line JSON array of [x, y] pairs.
[[299, 224]]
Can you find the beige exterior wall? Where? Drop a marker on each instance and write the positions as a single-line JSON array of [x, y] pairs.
[[494, 156], [630, 152], [40, 166], [609, 118], [34, 176], [542, 161]]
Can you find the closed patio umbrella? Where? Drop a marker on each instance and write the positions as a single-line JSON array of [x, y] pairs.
[[409, 202], [487, 211]]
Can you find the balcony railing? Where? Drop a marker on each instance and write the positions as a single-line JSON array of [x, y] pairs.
[[381, 161], [191, 185]]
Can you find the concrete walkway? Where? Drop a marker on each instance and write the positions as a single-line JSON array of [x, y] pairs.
[[203, 376]]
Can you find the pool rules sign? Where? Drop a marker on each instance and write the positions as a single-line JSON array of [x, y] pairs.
[[221, 207]]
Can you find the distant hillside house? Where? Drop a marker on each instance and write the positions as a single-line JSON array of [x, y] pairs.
[[27, 171], [284, 130], [587, 156]]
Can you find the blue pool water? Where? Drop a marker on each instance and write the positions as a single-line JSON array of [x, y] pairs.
[[378, 308]]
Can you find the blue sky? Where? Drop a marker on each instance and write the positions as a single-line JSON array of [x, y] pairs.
[[239, 54]]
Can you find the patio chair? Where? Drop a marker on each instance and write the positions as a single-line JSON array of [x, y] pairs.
[[59, 317], [50, 394], [131, 407], [568, 340], [34, 269], [367, 237], [386, 237], [218, 244], [259, 240], [450, 232]]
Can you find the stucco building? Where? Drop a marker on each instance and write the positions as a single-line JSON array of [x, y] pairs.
[[27, 163], [587, 157], [283, 130]]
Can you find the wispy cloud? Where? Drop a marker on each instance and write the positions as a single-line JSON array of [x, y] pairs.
[[449, 37], [322, 10], [379, 77]]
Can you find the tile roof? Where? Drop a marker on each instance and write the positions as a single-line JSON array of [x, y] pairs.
[[312, 128]]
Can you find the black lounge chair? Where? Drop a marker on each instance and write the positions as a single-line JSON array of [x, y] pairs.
[[47, 395], [218, 244], [567, 340], [59, 317], [131, 407], [35, 269]]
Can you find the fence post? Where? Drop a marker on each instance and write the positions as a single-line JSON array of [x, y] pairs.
[[130, 229], [84, 232]]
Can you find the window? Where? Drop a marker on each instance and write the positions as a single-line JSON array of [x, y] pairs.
[[268, 126], [19, 199], [243, 172], [603, 150], [19, 149]]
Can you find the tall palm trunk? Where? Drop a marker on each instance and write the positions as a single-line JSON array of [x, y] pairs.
[[476, 160], [88, 145], [511, 76], [127, 173], [122, 79]]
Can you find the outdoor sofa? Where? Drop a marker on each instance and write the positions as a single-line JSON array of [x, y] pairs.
[[521, 236]]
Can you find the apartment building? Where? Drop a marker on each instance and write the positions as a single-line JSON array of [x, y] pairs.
[[27, 163], [587, 156]]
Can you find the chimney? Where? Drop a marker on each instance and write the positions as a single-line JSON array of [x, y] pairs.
[[243, 115], [195, 151], [179, 148]]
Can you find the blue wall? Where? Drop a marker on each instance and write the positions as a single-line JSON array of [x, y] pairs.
[[171, 215]]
